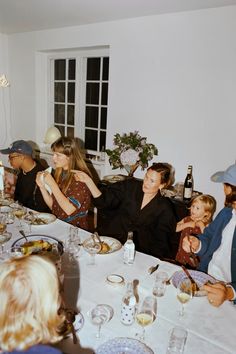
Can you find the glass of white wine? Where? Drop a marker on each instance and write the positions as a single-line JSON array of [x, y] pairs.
[[145, 314], [184, 294]]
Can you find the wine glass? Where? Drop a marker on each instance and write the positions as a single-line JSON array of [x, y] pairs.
[[145, 315], [99, 315], [184, 294], [4, 237], [92, 247]]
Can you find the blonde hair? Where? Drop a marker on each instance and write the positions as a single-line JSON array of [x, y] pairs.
[[70, 148], [30, 300], [209, 204]]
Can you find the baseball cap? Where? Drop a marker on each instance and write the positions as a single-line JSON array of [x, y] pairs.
[[20, 146], [227, 176]]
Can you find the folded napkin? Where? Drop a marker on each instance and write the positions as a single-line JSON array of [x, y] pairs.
[[49, 169]]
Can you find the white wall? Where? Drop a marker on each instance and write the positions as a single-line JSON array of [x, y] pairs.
[[172, 77]]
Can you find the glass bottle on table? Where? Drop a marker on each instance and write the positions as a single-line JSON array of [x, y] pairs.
[[129, 249], [188, 185], [128, 305]]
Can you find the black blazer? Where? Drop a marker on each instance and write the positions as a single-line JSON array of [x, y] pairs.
[[153, 226]]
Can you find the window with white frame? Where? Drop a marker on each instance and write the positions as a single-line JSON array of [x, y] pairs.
[[79, 98]]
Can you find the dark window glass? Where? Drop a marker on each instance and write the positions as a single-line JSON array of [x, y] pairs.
[[61, 128], [60, 69], [70, 132], [90, 139], [105, 71], [71, 75], [59, 113], [104, 93], [93, 68], [91, 119], [71, 115], [92, 93], [102, 140], [71, 92], [59, 92], [103, 118]]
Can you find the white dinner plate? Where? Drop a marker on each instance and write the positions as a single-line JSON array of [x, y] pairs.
[[113, 178], [52, 240], [123, 345], [199, 277], [113, 243], [40, 219]]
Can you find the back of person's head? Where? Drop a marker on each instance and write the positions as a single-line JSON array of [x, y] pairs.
[[209, 204], [165, 171], [30, 300]]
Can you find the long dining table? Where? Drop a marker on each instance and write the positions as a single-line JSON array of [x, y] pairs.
[[210, 329]]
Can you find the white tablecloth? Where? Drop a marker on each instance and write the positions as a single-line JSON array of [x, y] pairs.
[[210, 329]]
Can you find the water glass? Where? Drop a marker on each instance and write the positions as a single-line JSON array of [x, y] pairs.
[[159, 287], [177, 340]]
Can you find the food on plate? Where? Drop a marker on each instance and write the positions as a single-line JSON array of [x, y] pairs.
[[39, 221], [105, 247], [36, 247]]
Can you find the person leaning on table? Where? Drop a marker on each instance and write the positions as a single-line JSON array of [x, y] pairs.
[[216, 247], [26, 190], [138, 206], [30, 300]]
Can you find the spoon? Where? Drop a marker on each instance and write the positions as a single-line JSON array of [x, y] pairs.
[[23, 234]]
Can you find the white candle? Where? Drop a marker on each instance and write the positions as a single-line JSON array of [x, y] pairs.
[[1, 177]]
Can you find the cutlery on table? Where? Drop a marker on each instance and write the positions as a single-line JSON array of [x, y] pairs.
[[153, 269], [23, 234], [195, 286]]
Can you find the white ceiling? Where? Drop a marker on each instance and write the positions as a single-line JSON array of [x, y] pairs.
[[31, 15]]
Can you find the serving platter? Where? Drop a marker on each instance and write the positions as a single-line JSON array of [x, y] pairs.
[[123, 345], [199, 277], [56, 244]]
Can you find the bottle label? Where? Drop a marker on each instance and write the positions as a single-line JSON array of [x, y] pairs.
[[188, 193], [127, 314], [129, 253]]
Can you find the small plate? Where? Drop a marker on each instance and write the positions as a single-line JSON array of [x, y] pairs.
[[199, 277], [115, 280], [113, 243], [53, 241], [40, 219], [113, 178], [123, 345], [79, 322]]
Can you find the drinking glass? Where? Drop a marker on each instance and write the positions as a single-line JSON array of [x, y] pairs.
[[184, 294], [177, 340], [160, 284], [145, 315], [4, 237], [99, 315], [92, 247]]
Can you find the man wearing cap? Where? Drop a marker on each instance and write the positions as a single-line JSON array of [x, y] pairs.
[[216, 247], [26, 191]]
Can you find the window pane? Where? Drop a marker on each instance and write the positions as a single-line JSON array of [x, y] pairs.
[[70, 132], [92, 93], [91, 119], [59, 92], [103, 118], [104, 93], [71, 92], [93, 68], [60, 69], [90, 139], [61, 128], [102, 140], [71, 115], [105, 68], [71, 75], [59, 113]]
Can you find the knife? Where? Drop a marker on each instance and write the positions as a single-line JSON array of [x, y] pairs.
[[196, 287]]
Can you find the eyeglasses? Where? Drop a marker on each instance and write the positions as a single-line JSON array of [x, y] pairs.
[[13, 157]]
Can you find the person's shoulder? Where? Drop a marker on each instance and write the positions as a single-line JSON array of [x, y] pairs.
[[44, 349]]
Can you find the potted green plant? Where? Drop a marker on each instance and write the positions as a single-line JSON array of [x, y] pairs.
[[131, 151]]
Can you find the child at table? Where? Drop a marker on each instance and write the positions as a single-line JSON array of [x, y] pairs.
[[201, 212]]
